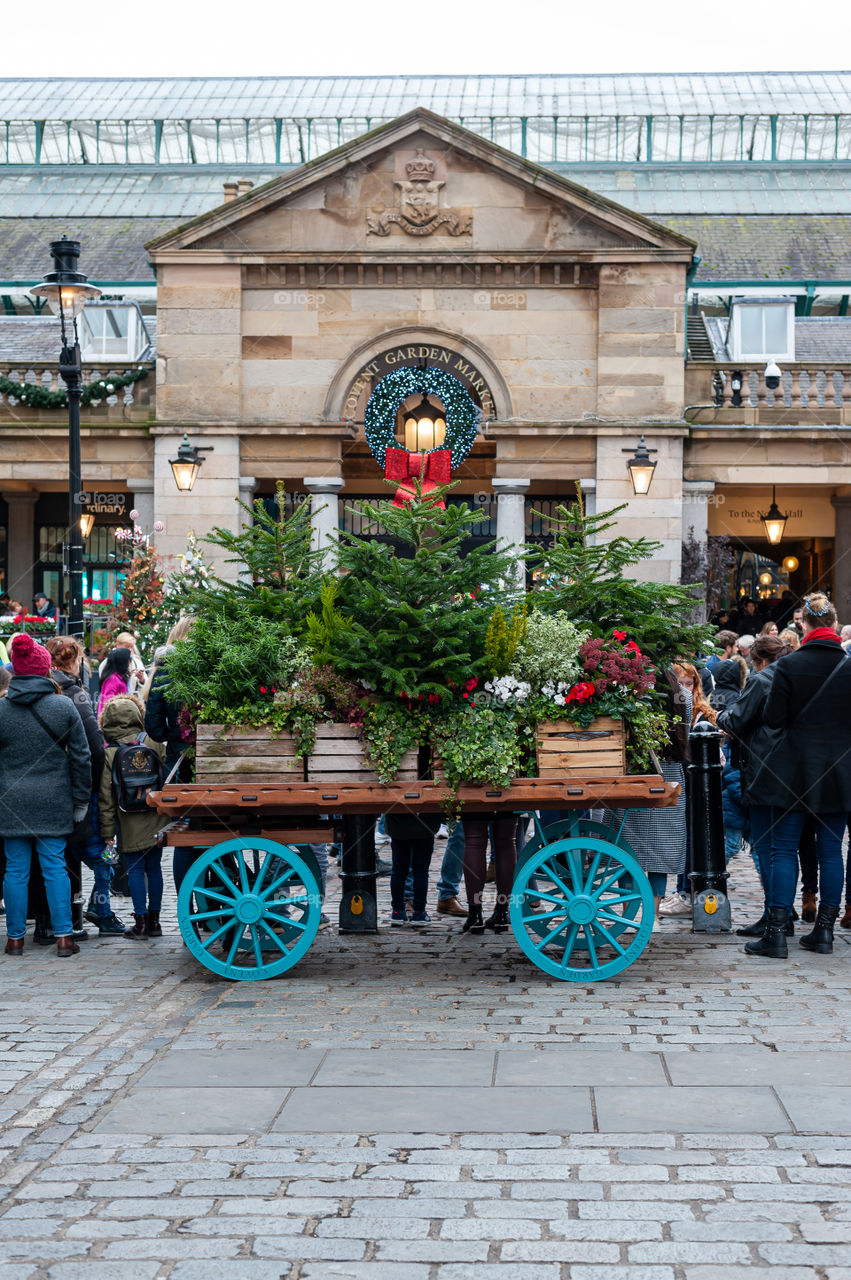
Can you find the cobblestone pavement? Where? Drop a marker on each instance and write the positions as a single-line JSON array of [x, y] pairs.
[[427, 1106]]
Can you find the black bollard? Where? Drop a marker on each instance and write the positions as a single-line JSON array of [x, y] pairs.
[[359, 904], [708, 871]]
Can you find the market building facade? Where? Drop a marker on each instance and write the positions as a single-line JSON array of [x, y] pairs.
[[572, 319]]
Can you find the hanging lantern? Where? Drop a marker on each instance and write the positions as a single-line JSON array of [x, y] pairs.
[[774, 520], [87, 521], [425, 427], [641, 467]]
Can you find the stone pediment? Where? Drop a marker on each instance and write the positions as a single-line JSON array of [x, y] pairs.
[[421, 185]]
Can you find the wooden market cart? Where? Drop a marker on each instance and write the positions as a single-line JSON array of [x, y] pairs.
[[249, 907]]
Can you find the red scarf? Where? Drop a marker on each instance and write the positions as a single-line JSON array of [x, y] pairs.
[[820, 633]]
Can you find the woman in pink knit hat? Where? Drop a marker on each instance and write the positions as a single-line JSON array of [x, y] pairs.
[[45, 786]]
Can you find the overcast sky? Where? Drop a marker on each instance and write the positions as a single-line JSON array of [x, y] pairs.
[[389, 37]]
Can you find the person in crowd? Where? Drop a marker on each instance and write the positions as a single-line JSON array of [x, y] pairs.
[[798, 621], [749, 739], [731, 676], [808, 772], [747, 618], [451, 873], [122, 721], [162, 724], [769, 629], [45, 786], [845, 636], [503, 828], [790, 638], [44, 607], [138, 675], [115, 676], [411, 845], [726, 641], [689, 678], [659, 837], [721, 619], [67, 657], [744, 647]]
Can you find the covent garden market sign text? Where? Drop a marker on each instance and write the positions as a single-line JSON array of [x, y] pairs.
[[420, 355]]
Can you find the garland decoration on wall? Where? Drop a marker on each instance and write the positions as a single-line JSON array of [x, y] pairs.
[[35, 396], [462, 415]]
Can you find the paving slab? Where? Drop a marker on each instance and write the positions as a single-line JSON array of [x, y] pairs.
[[568, 1066], [214, 1110], [816, 1109], [460, 1108], [405, 1067], [702, 1109], [263, 1066], [757, 1065]]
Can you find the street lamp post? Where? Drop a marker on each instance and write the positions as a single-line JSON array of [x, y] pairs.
[[68, 291]]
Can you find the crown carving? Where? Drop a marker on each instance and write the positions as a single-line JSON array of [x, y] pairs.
[[420, 168]]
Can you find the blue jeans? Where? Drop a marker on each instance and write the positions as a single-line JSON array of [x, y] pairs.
[[51, 856], [452, 867], [786, 836], [142, 865], [759, 819], [658, 883], [91, 854]]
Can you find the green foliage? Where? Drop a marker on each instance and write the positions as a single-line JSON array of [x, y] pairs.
[[35, 396], [586, 575], [420, 610], [504, 638], [280, 573], [234, 660], [550, 651], [389, 731], [477, 745], [647, 730], [325, 630], [141, 605]]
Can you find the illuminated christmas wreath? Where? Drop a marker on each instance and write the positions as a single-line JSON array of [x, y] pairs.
[[463, 416]]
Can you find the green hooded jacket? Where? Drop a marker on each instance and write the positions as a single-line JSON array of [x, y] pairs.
[[122, 720]]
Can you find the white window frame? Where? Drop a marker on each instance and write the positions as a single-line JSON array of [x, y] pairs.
[[757, 357]]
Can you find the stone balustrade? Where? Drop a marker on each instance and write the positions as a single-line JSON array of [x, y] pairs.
[[810, 394], [134, 402]]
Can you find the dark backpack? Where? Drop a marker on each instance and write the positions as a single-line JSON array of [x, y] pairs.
[[136, 770]]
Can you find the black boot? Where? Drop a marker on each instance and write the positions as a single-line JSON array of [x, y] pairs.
[[78, 932], [821, 938], [790, 924], [773, 941], [755, 930], [43, 932], [499, 920], [474, 922]]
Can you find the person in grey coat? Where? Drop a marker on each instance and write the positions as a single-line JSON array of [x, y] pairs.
[[45, 786]]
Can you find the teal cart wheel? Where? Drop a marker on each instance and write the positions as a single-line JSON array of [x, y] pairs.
[[565, 830], [249, 908], [588, 913]]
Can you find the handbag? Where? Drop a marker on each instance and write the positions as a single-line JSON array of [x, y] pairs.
[[83, 830]]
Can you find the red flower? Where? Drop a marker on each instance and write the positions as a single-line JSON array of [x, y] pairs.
[[465, 695], [619, 635], [263, 689], [582, 692]]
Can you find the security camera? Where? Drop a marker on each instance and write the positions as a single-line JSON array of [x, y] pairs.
[[772, 375]]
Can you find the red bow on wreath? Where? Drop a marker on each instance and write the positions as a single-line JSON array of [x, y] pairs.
[[431, 469]]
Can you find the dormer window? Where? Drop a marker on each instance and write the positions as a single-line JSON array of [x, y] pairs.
[[762, 330], [112, 331]]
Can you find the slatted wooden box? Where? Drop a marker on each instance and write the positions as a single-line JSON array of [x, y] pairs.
[[236, 753], [565, 751], [241, 753]]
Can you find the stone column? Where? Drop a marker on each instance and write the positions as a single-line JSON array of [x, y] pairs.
[[511, 519], [658, 514], [324, 514], [247, 489], [841, 556], [142, 490], [696, 498], [211, 502], [20, 546]]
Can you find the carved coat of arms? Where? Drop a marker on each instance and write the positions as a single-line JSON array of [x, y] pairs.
[[418, 210]]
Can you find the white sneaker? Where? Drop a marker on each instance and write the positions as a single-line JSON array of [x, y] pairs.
[[675, 905], [442, 832], [657, 925]]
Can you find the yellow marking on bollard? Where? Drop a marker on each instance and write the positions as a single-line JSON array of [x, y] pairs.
[[357, 905], [710, 906]]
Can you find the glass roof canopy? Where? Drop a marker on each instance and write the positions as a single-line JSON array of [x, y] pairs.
[[700, 118]]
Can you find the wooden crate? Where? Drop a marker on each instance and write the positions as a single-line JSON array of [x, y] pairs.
[[338, 757], [564, 751], [237, 753]]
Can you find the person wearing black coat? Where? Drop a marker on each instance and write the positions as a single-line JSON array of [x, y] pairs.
[[750, 741], [67, 656], [807, 772]]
